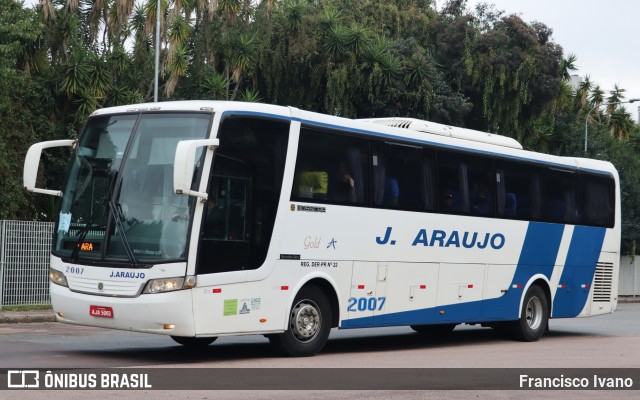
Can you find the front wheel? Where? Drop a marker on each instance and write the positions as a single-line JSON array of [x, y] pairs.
[[194, 342], [309, 324], [534, 316]]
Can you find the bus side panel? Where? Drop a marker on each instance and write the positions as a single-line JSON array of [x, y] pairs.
[[368, 288], [262, 306], [399, 287], [246, 307], [540, 253], [411, 286], [458, 302], [460, 284], [577, 276]]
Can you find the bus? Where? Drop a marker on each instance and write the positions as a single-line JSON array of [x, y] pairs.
[[201, 219]]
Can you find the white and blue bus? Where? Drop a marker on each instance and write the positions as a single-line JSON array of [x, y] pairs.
[[200, 219]]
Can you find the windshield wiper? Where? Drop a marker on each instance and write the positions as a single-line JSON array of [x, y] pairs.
[[83, 232], [116, 212]]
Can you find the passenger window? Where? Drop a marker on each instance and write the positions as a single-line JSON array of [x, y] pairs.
[[562, 197], [399, 177], [465, 185], [518, 191], [481, 198], [449, 187], [331, 168], [599, 200]]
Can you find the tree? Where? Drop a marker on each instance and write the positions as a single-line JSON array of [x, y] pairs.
[[582, 92], [24, 102], [620, 124]]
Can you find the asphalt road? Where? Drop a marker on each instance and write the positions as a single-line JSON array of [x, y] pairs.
[[610, 341]]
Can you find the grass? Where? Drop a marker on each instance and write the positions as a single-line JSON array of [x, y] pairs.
[[32, 307]]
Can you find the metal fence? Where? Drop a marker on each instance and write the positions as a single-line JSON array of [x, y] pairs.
[[629, 276], [25, 248]]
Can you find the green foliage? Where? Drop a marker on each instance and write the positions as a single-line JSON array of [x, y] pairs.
[[215, 87], [295, 10], [76, 74], [250, 96]]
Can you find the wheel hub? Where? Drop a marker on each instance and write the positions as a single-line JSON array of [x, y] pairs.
[[305, 321], [534, 313]]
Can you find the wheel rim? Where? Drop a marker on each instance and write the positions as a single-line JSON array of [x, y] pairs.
[[305, 320], [533, 313]]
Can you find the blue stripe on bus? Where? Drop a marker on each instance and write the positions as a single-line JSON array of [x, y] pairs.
[[579, 270], [539, 253]]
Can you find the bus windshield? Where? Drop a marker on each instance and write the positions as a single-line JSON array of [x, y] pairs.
[[118, 201]]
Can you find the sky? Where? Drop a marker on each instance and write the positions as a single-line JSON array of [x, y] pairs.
[[603, 34]]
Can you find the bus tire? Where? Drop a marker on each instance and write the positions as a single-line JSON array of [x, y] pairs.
[[534, 316], [434, 330], [194, 342], [309, 324]]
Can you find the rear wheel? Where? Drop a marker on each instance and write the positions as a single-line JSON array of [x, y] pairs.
[[309, 324], [194, 342], [434, 330], [534, 316]]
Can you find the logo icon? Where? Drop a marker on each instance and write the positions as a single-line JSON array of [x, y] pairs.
[[101, 286], [23, 379]]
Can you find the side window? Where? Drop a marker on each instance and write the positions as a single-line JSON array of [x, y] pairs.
[[451, 197], [599, 200], [562, 197], [402, 177], [244, 189], [331, 168], [228, 202], [465, 185], [518, 191], [481, 192], [429, 179]]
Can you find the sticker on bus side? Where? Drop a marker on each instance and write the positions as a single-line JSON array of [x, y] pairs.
[[230, 307]]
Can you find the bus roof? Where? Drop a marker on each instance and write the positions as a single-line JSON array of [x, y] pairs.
[[447, 130]]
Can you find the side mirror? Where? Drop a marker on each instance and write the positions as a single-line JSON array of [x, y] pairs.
[[183, 166], [32, 162]]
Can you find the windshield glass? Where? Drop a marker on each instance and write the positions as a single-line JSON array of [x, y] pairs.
[[118, 201]]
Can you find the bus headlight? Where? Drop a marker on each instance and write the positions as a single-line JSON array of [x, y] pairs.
[[57, 277], [169, 284]]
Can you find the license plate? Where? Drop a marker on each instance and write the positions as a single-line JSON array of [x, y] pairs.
[[101, 312]]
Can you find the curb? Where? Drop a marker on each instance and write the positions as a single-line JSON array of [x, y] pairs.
[[23, 317], [629, 299]]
